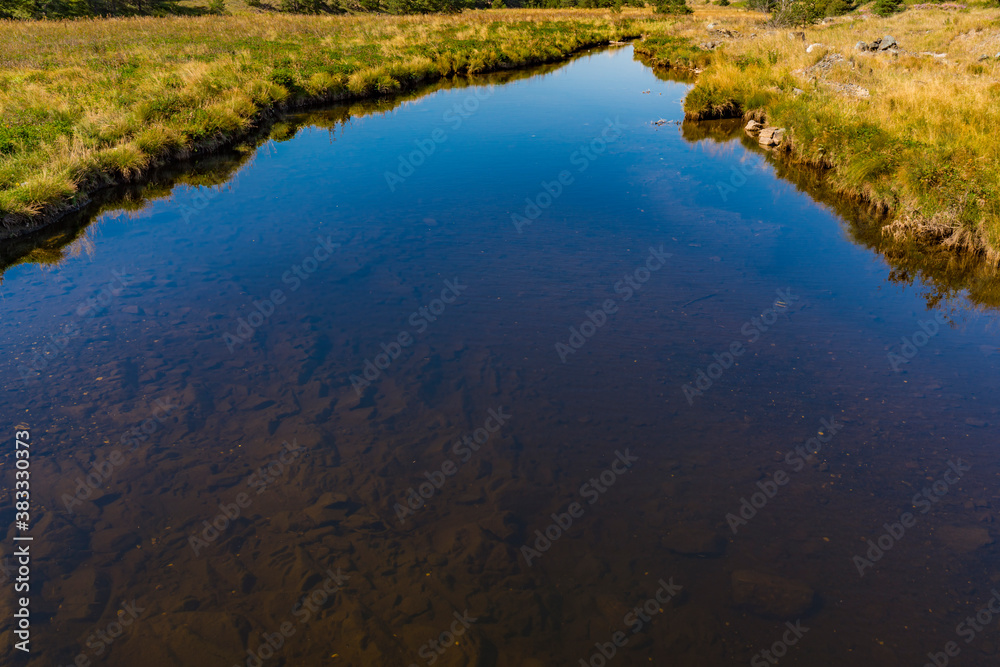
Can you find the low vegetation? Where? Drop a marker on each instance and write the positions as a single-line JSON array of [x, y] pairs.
[[53, 9], [913, 131], [90, 102]]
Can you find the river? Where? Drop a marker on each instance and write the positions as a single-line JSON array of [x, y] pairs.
[[512, 372]]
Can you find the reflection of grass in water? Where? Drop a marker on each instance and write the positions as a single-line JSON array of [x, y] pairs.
[[44, 255], [912, 134], [53, 244], [84, 101], [946, 275]]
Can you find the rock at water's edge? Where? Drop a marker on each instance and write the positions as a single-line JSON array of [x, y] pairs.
[[771, 136]]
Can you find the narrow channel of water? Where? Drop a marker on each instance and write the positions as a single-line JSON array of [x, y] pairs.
[[479, 378]]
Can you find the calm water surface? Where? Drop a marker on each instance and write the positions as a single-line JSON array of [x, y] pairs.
[[474, 381]]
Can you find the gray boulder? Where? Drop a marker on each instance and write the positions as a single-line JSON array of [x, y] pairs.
[[888, 42]]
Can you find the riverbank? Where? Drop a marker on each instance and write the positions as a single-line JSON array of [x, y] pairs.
[[910, 129], [92, 103]]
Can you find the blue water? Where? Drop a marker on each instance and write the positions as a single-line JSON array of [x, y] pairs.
[[312, 343]]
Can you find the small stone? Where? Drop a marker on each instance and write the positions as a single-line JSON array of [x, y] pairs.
[[771, 595], [797, 35], [695, 541], [888, 42], [754, 126], [964, 539], [861, 46], [813, 47], [797, 91], [983, 57], [973, 421]]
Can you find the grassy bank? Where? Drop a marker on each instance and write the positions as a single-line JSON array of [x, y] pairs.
[[87, 103], [70, 235], [915, 134]]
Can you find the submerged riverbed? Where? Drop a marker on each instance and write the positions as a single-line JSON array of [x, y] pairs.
[[509, 374]]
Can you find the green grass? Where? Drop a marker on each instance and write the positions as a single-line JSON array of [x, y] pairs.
[[675, 52], [93, 101], [922, 147]]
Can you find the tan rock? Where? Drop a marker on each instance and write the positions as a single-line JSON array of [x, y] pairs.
[[771, 136]]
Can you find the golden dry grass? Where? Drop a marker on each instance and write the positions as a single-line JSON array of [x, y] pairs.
[[913, 134], [87, 102]]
